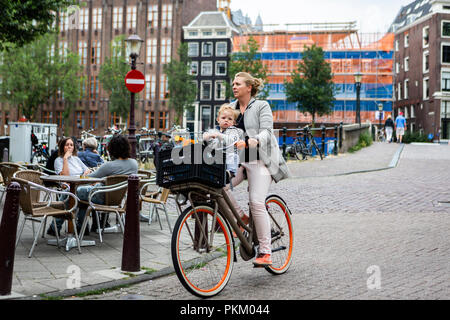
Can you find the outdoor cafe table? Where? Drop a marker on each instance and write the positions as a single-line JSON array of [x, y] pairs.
[[74, 181]]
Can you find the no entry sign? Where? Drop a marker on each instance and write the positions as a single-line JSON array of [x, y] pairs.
[[135, 81]]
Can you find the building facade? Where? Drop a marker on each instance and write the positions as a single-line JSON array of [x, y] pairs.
[[89, 30], [209, 40], [422, 66]]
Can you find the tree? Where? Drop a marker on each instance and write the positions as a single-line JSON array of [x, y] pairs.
[[248, 60], [311, 85], [36, 72], [112, 77], [182, 89], [24, 21]]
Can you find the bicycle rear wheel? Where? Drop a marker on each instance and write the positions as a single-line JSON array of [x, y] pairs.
[[203, 266], [282, 234], [298, 149], [316, 147]]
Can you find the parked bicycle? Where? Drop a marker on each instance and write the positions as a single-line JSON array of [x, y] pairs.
[[103, 151], [40, 154], [381, 137], [303, 148], [202, 246]]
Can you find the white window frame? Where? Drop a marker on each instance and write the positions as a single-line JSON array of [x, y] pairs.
[[202, 92], [406, 64], [396, 45], [193, 63], [442, 79], [447, 44], [397, 67], [425, 97], [203, 49], [406, 40], [425, 53], [205, 70], [223, 93], [413, 111], [217, 68], [190, 47], [442, 28], [423, 37], [399, 91], [217, 50], [406, 89]]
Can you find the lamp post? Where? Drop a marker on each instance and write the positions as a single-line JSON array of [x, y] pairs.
[[133, 43], [358, 79]]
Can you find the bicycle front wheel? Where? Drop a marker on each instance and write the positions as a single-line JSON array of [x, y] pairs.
[[202, 251], [318, 150], [282, 234], [298, 149]]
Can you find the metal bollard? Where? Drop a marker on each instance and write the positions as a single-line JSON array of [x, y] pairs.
[[335, 140], [341, 133], [5, 155], [131, 237], [323, 139], [284, 142], [8, 230]]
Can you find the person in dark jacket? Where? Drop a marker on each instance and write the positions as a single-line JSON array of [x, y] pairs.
[[89, 155], [389, 128]]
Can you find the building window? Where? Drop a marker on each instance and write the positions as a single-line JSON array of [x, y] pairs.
[[399, 91], [406, 64], [166, 49], [396, 46], [167, 16], [131, 17], [207, 33], [221, 49], [97, 18], [193, 68], [59, 119], [193, 33], [82, 52], [426, 62], [426, 89], [220, 90], [221, 32], [407, 40], [150, 119], [47, 117], [406, 89], [425, 36], [205, 90], [153, 16], [163, 87], [193, 49], [206, 68], [207, 49], [117, 17], [80, 119], [93, 119], [163, 120], [221, 68], [445, 84], [84, 19], [445, 53], [63, 21], [397, 67], [151, 50], [96, 52], [93, 85], [413, 112], [114, 119], [205, 117], [446, 28]]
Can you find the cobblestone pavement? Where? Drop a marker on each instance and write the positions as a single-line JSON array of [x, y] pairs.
[[373, 235]]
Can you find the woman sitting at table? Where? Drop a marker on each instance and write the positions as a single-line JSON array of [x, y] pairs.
[[68, 164], [119, 150]]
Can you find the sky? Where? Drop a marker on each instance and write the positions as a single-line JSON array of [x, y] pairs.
[[370, 15]]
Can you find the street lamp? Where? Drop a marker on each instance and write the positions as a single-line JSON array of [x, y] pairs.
[[133, 43], [358, 79], [380, 112]]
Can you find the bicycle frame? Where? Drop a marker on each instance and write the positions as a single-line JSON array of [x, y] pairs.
[[223, 204]]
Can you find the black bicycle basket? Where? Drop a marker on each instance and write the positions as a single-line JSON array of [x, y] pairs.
[[191, 163]]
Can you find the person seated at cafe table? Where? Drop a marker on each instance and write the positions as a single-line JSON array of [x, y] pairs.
[[89, 155], [119, 149], [67, 164]]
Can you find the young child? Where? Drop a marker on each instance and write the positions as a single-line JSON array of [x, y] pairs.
[[228, 134]]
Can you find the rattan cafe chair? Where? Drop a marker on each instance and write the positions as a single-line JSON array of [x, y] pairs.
[[7, 170]]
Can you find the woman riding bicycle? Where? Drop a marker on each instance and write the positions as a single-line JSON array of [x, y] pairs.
[[262, 160]]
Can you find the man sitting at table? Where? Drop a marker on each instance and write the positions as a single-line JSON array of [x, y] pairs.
[[89, 155], [119, 150]]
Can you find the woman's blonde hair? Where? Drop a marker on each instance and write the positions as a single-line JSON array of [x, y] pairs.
[[228, 107], [257, 84]]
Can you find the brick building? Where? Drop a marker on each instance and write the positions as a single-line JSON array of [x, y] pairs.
[[89, 28]]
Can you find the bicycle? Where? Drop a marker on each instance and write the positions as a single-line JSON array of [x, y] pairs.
[[302, 148], [380, 135], [40, 154], [203, 249]]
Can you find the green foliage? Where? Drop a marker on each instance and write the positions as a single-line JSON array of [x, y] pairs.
[[112, 77], [24, 21], [247, 60], [182, 89], [32, 76], [364, 140], [311, 85], [415, 137]]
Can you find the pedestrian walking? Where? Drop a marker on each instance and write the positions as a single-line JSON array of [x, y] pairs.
[[389, 128], [400, 126]]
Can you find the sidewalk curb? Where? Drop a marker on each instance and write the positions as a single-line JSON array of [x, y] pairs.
[[392, 164]]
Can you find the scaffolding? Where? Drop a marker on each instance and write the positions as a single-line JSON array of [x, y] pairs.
[[346, 50]]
